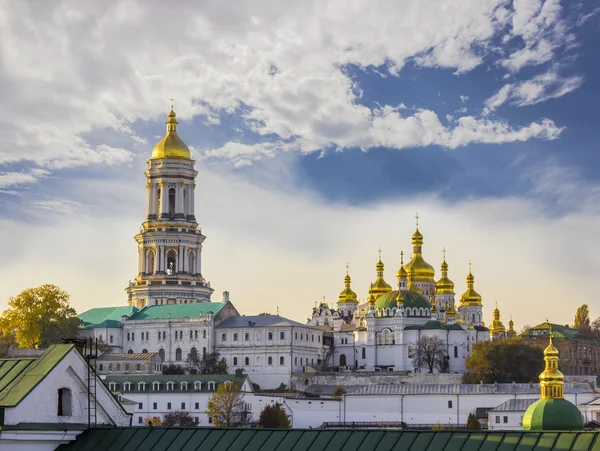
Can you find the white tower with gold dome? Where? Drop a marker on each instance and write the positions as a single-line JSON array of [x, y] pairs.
[[169, 241]]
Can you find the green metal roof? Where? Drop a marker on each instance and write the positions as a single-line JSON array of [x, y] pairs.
[[103, 317], [559, 332], [149, 379], [209, 439], [411, 300], [19, 376], [178, 311]]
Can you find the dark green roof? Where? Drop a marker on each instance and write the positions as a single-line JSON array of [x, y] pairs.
[[103, 317], [411, 300], [178, 311], [433, 324], [149, 379], [19, 376], [552, 415], [212, 439], [558, 332]]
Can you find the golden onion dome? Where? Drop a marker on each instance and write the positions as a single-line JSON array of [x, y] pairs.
[[496, 326], [444, 285], [380, 286], [418, 267], [171, 146], [347, 295], [470, 297], [402, 274]]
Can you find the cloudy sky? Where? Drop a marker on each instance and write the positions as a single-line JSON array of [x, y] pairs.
[[319, 129]]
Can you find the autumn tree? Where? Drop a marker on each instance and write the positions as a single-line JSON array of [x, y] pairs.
[[473, 423], [582, 319], [430, 353], [226, 406], [595, 326], [40, 316], [339, 391], [504, 361], [274, 416], [179, 418]]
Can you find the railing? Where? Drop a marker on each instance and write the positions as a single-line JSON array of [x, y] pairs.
[[392, 425]]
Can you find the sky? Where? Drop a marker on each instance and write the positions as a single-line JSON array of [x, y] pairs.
[[319, 129]]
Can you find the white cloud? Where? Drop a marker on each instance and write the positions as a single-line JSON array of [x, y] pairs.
[[464, 99], [549, 85], [70, 72], [63, 207], [19, 178]]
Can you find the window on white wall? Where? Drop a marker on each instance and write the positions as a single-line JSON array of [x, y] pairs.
[[65, 402]]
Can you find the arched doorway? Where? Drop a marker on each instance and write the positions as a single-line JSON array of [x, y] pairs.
[[343, 360]]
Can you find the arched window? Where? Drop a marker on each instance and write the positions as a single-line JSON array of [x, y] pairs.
[[150, 261], [171, 262], [364, 353], [178, 354], [196, 334], [192, 262], [343, 360], [247, 361], [144, 351], [235, 361], [185, 202], [193, 354], [410, 352], [171, 203], [270, 361], [204, 351], [387, 337], [130, 351], [204, 334], [161, 354], [473, 317], [456, 352], [281, 360], [393, 339], [65, 403]]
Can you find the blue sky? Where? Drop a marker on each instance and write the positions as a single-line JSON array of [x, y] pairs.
[[318, 129]]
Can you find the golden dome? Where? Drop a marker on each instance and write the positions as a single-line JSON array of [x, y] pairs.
[[444, 285], [417, 266], [347, 295], [380, 286], [496, 327], [171, 146], [401, 274], [470, 297]]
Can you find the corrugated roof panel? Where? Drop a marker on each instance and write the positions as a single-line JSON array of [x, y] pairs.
[[406, 441], [596, 442], [357, 439], [177, 311], [290, 440], [259, 321], [87, 440], [565, 441], [388, 441], [422, 441], [322, 441], [152, 437], [529, 441], [117, 436], [583, 442], [306, 440], [510, 441], [185, 436], [224, 442], [275, 439], [242, 440], [457, 441], [371, 441], [165, 443], [546, 441], [338, 442], [254, 443], [198, 439], [474, 442], [491, 442], [439, 441]]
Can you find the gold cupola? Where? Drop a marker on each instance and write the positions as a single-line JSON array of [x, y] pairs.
[[380, 286], [470, 297], [552, 381], [511, 333], [444, 285], [417, 267], [171, 146], [347, 295], [496, 328]]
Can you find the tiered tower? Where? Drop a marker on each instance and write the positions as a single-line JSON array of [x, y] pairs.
[[471, 305], [420, 273], [169, 241]]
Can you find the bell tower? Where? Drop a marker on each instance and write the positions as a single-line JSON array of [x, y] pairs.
[[169, 240]]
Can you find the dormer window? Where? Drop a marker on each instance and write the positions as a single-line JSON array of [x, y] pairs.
[[156, 386], [142, 386], [112, 386], [184, 386], [170, 386], [212, 385], [127, 386], [197, 385]]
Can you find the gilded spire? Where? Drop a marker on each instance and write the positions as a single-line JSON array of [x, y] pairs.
[[470, 296], [401, 274], [418, 267], [511, 333], [552, 381]]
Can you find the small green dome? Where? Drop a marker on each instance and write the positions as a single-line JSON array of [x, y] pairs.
[[433, 324], [552, 415], [411, 300]]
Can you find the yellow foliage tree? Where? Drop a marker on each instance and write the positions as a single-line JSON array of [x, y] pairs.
[[39, 317], [226, 406]]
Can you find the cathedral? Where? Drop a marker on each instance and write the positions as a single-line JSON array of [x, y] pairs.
[[383, 334]]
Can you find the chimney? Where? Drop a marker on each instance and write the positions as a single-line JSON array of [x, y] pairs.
[[225, 297]]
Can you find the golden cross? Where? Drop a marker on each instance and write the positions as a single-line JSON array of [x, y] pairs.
[[417, 218], [402, 258], [347, 268], [380, 254], [444, 250], [172, 102], [469, 266]]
